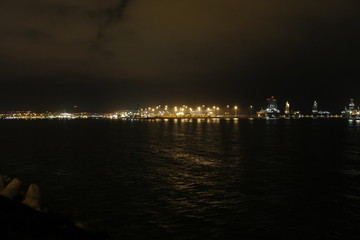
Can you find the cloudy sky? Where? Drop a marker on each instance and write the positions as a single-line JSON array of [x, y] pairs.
[[109, 54]]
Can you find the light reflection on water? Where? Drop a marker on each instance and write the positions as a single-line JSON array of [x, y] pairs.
[[195, 178]]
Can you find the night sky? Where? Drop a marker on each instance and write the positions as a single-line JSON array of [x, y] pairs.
[[105, 55]]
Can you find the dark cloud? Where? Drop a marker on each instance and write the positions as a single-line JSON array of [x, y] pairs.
[[113, 15], [229, 50]]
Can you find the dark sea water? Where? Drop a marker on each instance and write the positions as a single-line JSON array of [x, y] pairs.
[[194, 179]]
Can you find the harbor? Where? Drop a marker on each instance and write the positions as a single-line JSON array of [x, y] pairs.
[[271, 111]]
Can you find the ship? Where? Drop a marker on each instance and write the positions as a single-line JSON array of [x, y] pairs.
[[271, 112]]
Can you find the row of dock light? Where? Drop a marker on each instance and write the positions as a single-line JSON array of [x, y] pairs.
[[187, 111]]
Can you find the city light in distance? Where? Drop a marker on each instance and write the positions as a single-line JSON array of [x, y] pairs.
[[201, 111]]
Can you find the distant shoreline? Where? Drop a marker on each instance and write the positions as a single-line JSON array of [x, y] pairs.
[[188, 118]]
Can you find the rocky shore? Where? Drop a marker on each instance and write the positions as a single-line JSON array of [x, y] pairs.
[[22, 216]]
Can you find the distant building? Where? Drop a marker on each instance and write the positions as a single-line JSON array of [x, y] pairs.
[[315, 108], [319, 113], [351, 105], [287, 108]]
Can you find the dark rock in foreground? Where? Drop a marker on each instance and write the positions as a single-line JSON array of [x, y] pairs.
[[21, 217]]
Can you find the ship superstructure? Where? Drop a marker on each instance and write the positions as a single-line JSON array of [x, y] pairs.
[[351, 111], [271, 112]]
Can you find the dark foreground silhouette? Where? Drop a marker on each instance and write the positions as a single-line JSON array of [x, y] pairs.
[[22, 216]]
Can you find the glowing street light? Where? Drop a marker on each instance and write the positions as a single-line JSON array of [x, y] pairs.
[[235, 110]]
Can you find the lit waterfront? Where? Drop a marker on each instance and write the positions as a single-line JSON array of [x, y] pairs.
[[136, 115], [184, 111]]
